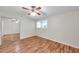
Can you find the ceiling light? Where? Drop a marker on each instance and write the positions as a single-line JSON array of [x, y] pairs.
[[33, 14]]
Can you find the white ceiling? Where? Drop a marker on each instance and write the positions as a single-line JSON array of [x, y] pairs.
[[48, 10]]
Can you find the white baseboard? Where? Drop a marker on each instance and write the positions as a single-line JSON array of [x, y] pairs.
[[59, 41]]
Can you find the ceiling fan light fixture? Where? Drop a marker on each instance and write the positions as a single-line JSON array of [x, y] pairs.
[[34, 11], [33, 14]]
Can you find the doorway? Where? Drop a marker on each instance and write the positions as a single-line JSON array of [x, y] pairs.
[[10, 30]]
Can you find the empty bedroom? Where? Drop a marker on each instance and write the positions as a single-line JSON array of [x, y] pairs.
[[39, 29]]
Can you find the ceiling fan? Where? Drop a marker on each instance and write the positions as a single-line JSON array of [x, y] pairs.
[[35, 10]]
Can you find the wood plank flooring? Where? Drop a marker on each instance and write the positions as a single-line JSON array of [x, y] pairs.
[[36, 44], [11, 37]]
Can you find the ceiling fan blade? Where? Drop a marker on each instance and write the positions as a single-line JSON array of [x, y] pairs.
[[38, 8], [25, 8], [28, 13], [37, 13]]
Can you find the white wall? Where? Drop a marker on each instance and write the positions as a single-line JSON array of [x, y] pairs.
[[62, 28], [27, 28]]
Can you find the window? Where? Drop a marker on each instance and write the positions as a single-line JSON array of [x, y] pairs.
[[44, 24], [38, 24], [41, 24]]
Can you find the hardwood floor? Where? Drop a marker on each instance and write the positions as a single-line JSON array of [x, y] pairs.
[[36, 44], [11, 37]]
